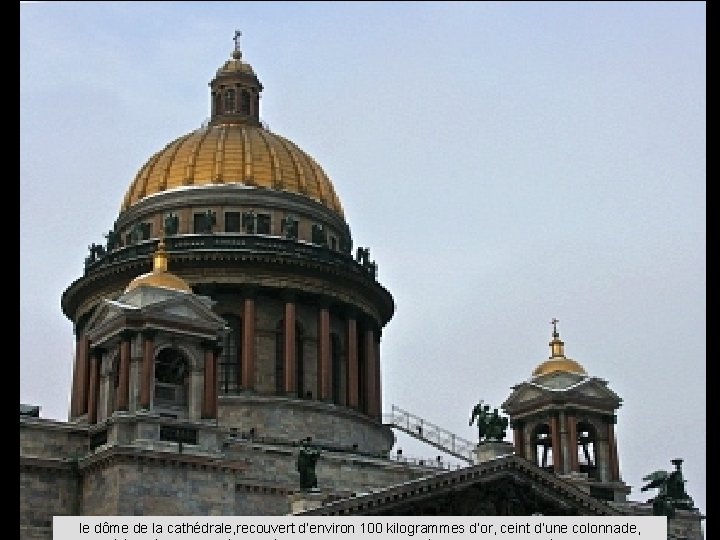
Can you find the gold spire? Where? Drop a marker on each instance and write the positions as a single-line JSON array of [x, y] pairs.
[[557, 347], [160, 255], [160, 277], [557, 360]]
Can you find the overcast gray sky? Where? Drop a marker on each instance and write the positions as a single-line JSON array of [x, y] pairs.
[[506, 163]]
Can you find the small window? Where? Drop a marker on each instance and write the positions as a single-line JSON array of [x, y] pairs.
[[333, 243], [263, 223], [203, 223], [229, 100], [319, 236], [245, 102], [232, 221]]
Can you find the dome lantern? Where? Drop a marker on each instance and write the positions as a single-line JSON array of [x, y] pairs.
[[235, 91]]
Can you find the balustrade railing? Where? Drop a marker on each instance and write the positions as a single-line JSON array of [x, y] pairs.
[[251, 243]]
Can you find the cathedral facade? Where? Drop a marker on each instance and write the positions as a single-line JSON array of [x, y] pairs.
[[228, 321]]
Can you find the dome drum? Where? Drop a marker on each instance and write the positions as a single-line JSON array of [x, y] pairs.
[[236, 208], [228, 260]]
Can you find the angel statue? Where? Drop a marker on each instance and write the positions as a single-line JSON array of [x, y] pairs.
[[491, 426]]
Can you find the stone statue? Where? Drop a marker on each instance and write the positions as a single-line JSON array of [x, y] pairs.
[[289, 228], [97, 252], [671, 491], [307, 458], [491, 426], [248, 221], [113, 240], [362, 255]]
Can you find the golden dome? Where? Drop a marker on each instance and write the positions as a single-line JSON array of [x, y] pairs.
[[159, 277], [559, 364], [558, 361], [234, 153], [233, 148]]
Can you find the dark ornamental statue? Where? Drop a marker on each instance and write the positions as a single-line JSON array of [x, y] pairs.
[[363, 257], [97, 252], [113, 240], [491, 426], [289, 228], [671, 491], [248, 222], [307, 459]]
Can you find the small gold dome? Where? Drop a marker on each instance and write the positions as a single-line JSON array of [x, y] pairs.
[[159, 277], [559, 364], [558, 361], [238, 153]]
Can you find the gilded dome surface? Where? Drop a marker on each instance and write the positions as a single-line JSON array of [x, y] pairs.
[[567, 365], [159, 276], [233, 153], [558, 361], [165, 280]]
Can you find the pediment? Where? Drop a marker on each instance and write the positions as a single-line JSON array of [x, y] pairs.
[[187, 308], [147, 308], [509, 485], [523, 394], [106, 312], [537, 392]]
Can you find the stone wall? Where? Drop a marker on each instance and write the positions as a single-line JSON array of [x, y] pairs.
[[295, 419]]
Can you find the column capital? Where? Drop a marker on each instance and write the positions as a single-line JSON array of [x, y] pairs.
[[127, 334], [249, 292], [148, 333], [210, 345], [289, 295], [324, 301], [97, 351]]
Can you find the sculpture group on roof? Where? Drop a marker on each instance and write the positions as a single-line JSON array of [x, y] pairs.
[[491, 426], [671, 494]]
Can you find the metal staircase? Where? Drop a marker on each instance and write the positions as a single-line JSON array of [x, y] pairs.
[[430, 433]]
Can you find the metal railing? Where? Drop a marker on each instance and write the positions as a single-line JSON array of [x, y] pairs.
[[430, 433]]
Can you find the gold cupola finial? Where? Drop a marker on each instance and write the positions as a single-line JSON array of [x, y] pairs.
[[159, 276], [160, 258], [557, 347], [557, 360], [237, 53]]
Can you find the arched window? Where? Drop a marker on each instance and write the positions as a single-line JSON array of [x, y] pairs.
[[229, 100], [542, 442], [586, 448], [245, 102], [172, 370], [230, 365]]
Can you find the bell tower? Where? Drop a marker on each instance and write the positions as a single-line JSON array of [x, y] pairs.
[[563, 420]]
